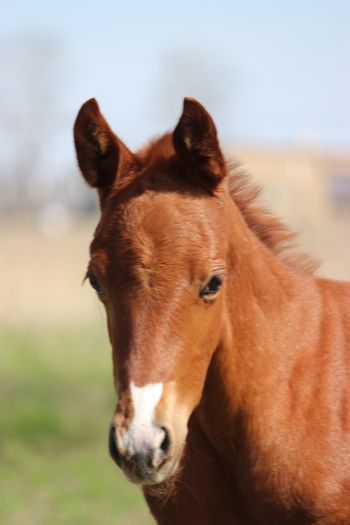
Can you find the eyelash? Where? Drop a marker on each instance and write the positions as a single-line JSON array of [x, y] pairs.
[[95, 284]]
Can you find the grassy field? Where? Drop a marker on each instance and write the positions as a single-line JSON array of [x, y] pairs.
[[56, 400]]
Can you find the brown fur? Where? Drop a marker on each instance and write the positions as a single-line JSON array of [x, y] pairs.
[[259, 372]]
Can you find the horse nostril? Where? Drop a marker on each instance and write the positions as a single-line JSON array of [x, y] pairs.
[[113, 447], [165, 444], [159, 453]]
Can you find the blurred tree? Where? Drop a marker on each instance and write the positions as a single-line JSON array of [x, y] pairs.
[[29, 112]]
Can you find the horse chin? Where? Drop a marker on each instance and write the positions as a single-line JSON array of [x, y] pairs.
[[152, 477]]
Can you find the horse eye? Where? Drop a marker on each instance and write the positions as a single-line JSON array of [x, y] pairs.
[[95, 284], [212, 287]]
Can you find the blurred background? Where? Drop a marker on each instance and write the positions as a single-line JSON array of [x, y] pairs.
[[276, 78]]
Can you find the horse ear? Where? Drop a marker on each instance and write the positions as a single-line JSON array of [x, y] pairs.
[[97, 148], [196, 143]]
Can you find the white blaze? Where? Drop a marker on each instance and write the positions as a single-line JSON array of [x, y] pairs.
[[143, 430]]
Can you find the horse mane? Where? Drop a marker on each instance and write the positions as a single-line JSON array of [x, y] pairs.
[[271, 231]]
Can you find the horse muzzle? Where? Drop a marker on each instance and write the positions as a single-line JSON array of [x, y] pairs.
[[145, 459], [148, 432]]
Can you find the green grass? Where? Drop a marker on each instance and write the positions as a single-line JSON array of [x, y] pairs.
[[56, 401]]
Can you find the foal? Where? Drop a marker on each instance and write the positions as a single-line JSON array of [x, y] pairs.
[[231, 361]]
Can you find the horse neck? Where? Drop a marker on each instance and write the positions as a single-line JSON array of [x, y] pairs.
[[252, 358]]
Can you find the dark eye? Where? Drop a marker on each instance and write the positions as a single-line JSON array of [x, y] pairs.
[[95, 284], [212, 287]]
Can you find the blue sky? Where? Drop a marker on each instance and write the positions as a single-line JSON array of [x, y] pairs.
[[271, 72]]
